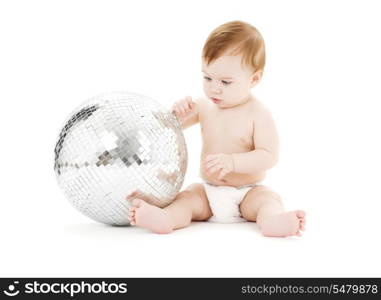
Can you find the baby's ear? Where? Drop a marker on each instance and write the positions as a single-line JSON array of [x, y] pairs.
[[256, 77]]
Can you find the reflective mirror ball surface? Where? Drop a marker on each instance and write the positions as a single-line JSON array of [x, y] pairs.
[[116, 144]]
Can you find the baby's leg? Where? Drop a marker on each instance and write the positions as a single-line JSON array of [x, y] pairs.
[[266, 208], [190, 204]]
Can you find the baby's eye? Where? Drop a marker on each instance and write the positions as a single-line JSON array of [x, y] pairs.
[[207, 78], [224, 82]]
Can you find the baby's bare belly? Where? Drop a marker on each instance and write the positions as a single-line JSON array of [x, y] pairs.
[[232, 179]]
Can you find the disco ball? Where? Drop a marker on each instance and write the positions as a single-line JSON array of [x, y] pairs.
[[117, 144]]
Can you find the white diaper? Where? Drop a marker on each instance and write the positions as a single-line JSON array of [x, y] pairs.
[[224, 202]]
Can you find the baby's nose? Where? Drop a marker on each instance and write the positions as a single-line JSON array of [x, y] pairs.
[[216, 91]]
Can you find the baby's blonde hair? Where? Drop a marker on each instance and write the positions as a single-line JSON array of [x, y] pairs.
[[240, 38]]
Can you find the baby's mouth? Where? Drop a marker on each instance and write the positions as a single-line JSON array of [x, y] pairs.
[[216, 100]]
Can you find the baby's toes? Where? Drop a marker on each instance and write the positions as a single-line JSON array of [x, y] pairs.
[[131, 217], [132, 220], [303, 225], [300, 214]]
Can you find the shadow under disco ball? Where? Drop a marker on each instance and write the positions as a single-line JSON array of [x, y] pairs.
[[113, 145]]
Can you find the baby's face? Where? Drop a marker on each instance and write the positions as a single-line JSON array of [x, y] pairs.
[[226, 82]]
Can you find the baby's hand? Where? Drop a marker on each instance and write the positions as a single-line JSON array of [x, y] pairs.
[[219, 162], [184, 108]]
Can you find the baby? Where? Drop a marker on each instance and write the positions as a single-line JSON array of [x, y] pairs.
[[240, 143]]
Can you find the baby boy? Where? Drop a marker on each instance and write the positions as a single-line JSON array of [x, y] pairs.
[[240, 143]]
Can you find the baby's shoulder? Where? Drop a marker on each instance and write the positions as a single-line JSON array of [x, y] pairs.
[[257, 107], [260, 111]]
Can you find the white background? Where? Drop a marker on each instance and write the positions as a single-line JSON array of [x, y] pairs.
[[322, 83]]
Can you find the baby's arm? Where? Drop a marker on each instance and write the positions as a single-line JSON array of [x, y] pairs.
[[186, 111], [266, 143]]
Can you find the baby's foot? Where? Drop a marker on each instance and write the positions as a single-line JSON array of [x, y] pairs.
[[285, 224], [149, 216]]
